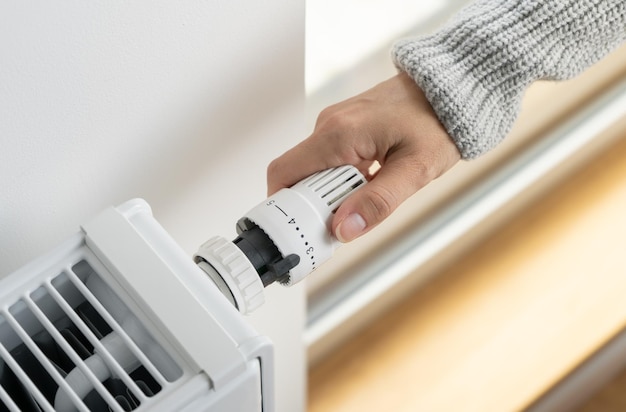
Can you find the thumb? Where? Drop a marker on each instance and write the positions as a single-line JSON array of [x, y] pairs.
[[370, 205]]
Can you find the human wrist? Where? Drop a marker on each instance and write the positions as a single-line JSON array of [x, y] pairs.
[[474, 71]]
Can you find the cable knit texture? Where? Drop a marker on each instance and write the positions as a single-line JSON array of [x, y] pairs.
[[474, 71]]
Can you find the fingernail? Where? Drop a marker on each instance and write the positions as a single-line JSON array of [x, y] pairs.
[[350, 228]]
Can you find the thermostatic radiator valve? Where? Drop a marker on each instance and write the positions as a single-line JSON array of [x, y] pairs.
[[282, 239]]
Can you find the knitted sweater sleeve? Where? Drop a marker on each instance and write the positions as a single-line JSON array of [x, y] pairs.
[[475, 70]]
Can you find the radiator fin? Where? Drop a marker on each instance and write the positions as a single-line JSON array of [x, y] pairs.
[[71, 344]]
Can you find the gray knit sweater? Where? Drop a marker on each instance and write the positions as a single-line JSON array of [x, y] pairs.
[[475, 70]]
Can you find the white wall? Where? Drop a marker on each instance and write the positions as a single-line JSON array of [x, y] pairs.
[[182, 103]]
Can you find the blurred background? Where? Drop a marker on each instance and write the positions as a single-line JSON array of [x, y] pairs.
[[497, 287]]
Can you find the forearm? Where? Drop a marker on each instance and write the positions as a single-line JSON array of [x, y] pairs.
[[475, 70]]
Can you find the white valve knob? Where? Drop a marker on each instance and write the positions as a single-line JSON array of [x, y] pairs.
[[282, 239], [297, 219]]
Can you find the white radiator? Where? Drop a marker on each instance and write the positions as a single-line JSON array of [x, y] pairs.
[[119, 318]]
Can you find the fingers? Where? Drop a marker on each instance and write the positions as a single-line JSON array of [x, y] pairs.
[[366, 208], [299, 162], [340, 137], [407, 169]]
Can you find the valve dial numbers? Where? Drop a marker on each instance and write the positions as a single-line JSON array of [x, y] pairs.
[[291, 221]]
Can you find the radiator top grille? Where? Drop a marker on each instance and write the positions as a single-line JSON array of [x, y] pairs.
[[71, 343]]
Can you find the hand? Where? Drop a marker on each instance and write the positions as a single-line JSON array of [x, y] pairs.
[[391, 125]]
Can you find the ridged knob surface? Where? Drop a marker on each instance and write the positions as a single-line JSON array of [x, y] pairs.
[[236, 271]]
